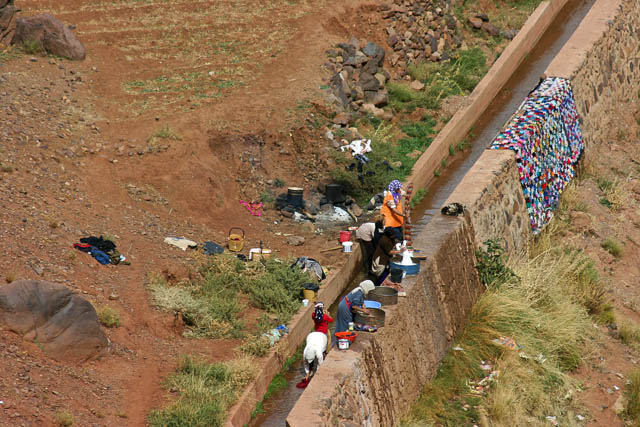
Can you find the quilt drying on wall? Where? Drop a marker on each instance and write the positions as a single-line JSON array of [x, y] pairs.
[[545, 135]]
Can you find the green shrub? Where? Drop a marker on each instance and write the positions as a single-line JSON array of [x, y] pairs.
[[612, 247], [491, 265], [32, 47], [255, 345], [418, 196], [63, 418], [632, 393], [109, 317], [206, 392]]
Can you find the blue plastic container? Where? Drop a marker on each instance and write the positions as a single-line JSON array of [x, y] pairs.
[[372, 304], [411, 270]]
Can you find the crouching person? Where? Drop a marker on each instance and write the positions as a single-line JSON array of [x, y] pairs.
[[313, 354]]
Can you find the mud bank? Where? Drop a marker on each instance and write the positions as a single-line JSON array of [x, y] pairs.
[[377, 384]]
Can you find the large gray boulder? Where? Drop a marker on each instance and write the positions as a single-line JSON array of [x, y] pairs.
[[54, 37], [64, 324]]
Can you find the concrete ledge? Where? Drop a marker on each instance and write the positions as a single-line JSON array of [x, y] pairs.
[[484, 93], [299, 326], [573, 54]]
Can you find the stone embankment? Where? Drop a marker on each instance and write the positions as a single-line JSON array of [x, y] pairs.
[[376, 384]]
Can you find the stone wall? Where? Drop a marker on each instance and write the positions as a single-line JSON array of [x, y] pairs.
[[375, 384], [492, 194], [378, 382], [605, 71]]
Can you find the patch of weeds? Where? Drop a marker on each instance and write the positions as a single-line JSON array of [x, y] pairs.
[[436, 173], [629, 334], [606, 203], [32, 47], [266, 197], [256, 345], [542, 318], [491, 265], [165, 133], [279, 382], [632, 393], [63, 418], [211, 305], [109, 317], [452, 150], [418, 196], [459, 76], [443, 163], [278, 183], [205, 392], [613, 247], [604, 184]]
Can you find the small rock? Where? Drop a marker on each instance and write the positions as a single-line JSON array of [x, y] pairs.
[[475, 22], [509, 34], [483, 16], [397, 164], [417, 85], [295, 240], [113, 296], [490, 28], [341, 119], [618, 406]]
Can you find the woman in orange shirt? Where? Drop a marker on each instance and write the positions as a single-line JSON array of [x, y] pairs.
[[392, 209]]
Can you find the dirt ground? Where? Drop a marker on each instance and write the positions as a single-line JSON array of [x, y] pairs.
[[180, 110], [79, 157]]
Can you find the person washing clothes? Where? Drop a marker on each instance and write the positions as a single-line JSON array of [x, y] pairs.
[[353, 301], [313, 354], [321, 319], [392, 208], [384, 252], [366, 234]]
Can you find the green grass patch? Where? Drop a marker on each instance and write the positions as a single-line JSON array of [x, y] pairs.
[[165, 133], [109, 317], [62, 418], [459, 76], [212, 305], [632, 394], [629, 334], [205, 392], [418, 196], [550, 327], [613, 247]]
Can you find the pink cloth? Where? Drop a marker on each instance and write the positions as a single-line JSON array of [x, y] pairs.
[[253, 208]]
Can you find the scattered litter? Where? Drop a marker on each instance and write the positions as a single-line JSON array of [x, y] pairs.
[[364, 328], [211, 248], [552, 419], [616, 388], [479, 387], [485, 366], [103, 250], [254, 208], [580, 417], [180, 242], [338, 215], [619, 375], [303, 383], [457, 348], [298, 217], [540, 358], [609, 391], [310, 264], [1, 402], [507, 342], [357, 148], [282, 329], [273, 336]]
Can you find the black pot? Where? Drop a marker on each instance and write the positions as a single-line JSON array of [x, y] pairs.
[[294, 196], [396, 275]]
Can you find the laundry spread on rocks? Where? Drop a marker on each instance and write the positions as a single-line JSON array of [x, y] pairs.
[[546, 137], [103, 250]]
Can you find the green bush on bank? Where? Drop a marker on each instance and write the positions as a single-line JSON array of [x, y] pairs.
[[212, 306], [539, 308]]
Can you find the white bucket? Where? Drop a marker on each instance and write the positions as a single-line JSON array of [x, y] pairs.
[[347, 246], [305, 302], [343, 344]]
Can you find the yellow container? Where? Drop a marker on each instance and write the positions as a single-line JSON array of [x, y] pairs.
[[310, 295], [236, 241]]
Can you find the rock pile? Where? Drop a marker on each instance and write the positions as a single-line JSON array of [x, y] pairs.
[[420, 31], [358, 80], [7, 22], [480, 21]]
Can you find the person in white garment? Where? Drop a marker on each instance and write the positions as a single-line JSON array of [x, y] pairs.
[[313, 354]]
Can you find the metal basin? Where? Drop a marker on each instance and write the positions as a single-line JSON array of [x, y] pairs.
[[375, 318], [384, 295], [411, 270]]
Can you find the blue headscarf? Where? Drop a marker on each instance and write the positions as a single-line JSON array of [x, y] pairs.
[[394, 188]]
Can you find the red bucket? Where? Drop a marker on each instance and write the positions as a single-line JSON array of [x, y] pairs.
[[345, 236]]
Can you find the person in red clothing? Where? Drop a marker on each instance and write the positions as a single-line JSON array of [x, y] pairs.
[[321, 319]]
